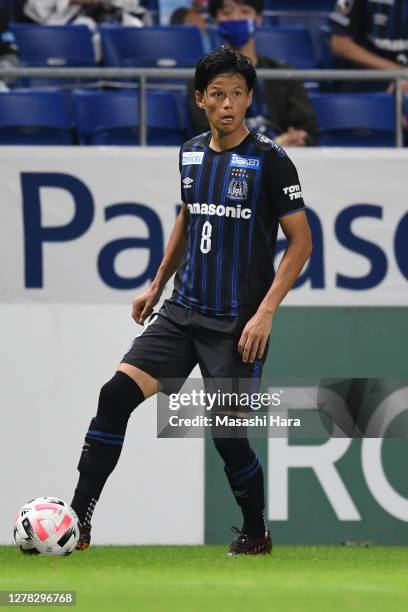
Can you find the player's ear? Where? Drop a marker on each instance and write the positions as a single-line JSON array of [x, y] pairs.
[[199, 98], [249, 102]]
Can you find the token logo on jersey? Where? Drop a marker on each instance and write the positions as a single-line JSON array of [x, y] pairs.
[[293, 191], [192, 158]]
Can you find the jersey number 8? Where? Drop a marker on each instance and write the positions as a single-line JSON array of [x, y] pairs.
[[205, 244]]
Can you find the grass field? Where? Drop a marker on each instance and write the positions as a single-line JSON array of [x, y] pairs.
[[182, 578]]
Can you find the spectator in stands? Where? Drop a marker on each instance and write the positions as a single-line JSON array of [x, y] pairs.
[[86, 12], [191, 16], [59, 12], [8, 49], [370, 34], [280, 109], [188, 16]]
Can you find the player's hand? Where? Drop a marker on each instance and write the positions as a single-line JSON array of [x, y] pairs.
[[143, 305], [251, 345]]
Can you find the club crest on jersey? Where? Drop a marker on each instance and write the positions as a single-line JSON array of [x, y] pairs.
[[251, 163], [237, 189], [192, 158]]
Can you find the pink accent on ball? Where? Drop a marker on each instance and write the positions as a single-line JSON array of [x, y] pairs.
[[65, 523], [48, 506], [38, 528]]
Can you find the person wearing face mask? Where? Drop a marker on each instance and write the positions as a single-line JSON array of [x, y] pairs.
[[281, 109]]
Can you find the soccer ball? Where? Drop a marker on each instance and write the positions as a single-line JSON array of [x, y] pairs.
[[46, 525]]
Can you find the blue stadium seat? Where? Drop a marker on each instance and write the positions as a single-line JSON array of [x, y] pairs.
[[326, 58], [111, 118], [355, 120], [300, 5], [165, 123], [44, 45], [34, 118], [290, 44], [154, 46]]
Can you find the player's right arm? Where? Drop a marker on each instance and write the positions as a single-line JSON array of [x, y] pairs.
[[143, 305]]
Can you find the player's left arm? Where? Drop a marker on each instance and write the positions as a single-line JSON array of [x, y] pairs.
[[256, 332]]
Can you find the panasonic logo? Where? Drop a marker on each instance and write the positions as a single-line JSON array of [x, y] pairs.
[[235, 212]]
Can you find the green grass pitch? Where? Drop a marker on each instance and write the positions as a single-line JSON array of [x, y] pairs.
[[195, 578]]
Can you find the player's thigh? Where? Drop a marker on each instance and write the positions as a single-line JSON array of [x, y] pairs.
[[222, 366], [161, 356]]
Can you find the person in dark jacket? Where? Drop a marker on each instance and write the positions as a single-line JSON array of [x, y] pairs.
[[280, 109], [371, 35]]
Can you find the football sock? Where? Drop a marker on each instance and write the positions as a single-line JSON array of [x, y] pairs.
[[245, 476], [103, 441]]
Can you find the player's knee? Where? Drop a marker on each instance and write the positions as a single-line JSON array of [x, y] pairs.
[[118, 398]]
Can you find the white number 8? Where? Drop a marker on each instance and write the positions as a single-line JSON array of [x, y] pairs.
[[205, 244]]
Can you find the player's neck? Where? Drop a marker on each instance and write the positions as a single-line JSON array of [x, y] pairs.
[[221, 142]]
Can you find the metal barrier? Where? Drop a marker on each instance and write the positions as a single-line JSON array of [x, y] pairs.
[[397, 76]]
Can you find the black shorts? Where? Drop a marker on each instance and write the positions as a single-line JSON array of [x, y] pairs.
[[176, 338]]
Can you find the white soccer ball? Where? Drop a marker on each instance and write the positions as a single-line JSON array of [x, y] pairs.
[[47, 526]]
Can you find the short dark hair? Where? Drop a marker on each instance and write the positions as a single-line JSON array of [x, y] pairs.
[[178, 16], [215, 5], [223, 61]]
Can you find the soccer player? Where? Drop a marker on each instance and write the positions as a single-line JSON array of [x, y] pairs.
[[237, 187]]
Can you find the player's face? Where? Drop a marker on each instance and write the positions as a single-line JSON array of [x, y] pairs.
[[225, 102]]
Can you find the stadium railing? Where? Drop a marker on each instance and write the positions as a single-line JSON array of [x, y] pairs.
[[142, 74]]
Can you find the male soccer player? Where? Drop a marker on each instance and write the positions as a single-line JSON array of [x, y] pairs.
[[237, 187]]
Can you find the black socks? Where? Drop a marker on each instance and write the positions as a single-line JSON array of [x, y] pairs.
[[103, 442], [245, 476]]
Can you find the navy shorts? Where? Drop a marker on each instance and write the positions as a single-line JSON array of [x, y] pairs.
[[176, 338]]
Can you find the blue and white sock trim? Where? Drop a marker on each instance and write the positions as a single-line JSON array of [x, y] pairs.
[[236, 478], [106, 438]]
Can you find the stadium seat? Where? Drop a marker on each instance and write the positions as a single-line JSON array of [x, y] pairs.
[[290, 44], [300, 5], [44, 45], [34, 118], [355, 120], [166, 46], [111, 118]]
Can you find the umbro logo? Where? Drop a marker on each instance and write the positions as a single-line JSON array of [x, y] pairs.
[[187, 182]]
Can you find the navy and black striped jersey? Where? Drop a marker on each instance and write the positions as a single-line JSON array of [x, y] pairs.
[[234, 199], [381, 26]]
